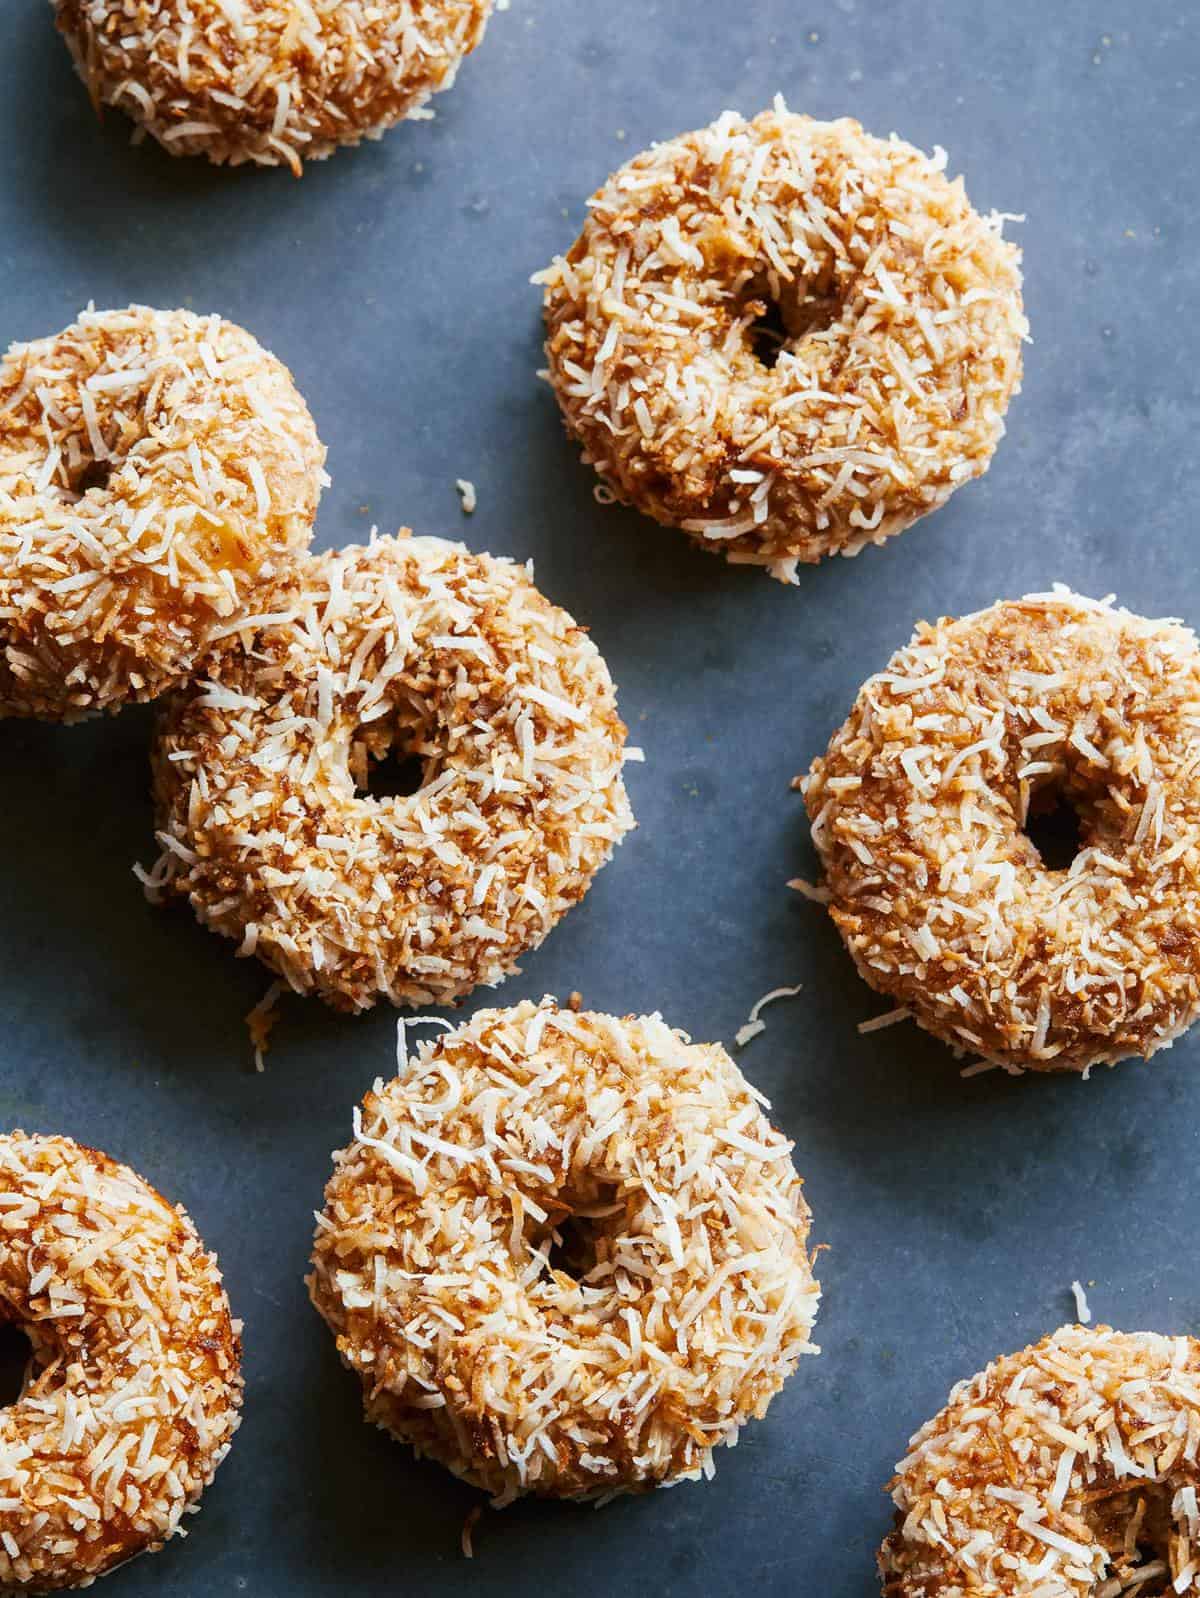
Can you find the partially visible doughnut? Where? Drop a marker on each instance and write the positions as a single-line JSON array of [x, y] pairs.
[[269, 81], [409, 647], [901, 336], [134, 1390], [157, 469], [567, 1254], [1069, 1470]]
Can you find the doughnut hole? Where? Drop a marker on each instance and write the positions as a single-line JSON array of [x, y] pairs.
[[90, 476], [768, 334], [81, 471], [391, 760], [1069, 810], [577, 1243], [1055, 826], [1136, 1530], [18, 1362], [780, 316], [574, 1247]]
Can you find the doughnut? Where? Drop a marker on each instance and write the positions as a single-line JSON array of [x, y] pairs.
[[919, 809], [897, 351], [406, 647], [1066, 1471], [133, 1392], [566, 1254], [156, 470], [273, 82]]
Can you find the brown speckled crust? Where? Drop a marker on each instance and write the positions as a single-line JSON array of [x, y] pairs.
[[681, 1300], [903, 313], [1066, 1471], [942, 899], [135, 1386], [263, 80], [157, 470], [416, 646]]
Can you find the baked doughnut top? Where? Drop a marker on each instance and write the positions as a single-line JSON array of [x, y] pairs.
[[566, 1253], [884, 385], [406, 647], [919, 809]]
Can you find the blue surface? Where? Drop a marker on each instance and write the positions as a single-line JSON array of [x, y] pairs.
[[393, 281]]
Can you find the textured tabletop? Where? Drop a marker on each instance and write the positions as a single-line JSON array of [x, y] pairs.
[[394, 282]]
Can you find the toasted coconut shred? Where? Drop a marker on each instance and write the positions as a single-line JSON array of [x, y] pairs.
[[134, 1389], [1066, 1471], [918, 810], [754, 1024], [566, 1254], [467, 496], [899, 350], [275, 82], [157, 469], [407, 647]]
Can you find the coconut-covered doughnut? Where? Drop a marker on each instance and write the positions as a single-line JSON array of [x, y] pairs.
[[134, 1388], [919, 810], [566, 1253], [157, 468], [270, 81], [408, 647], [1066, 1471], [898, 348]]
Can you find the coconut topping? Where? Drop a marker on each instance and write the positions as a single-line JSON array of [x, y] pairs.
[[882, 385], [566, 1253], [275, 82], [409, 647], [1066, 1471], [920, 810], [134, 1388], [157, 470]]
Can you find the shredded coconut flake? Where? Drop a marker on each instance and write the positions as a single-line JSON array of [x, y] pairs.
[[753, 1025], [466, 493]]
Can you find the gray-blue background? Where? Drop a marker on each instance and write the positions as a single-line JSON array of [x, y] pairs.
[[393, 281]]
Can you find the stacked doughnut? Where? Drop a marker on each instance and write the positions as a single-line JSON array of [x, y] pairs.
[[566, 1254]]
